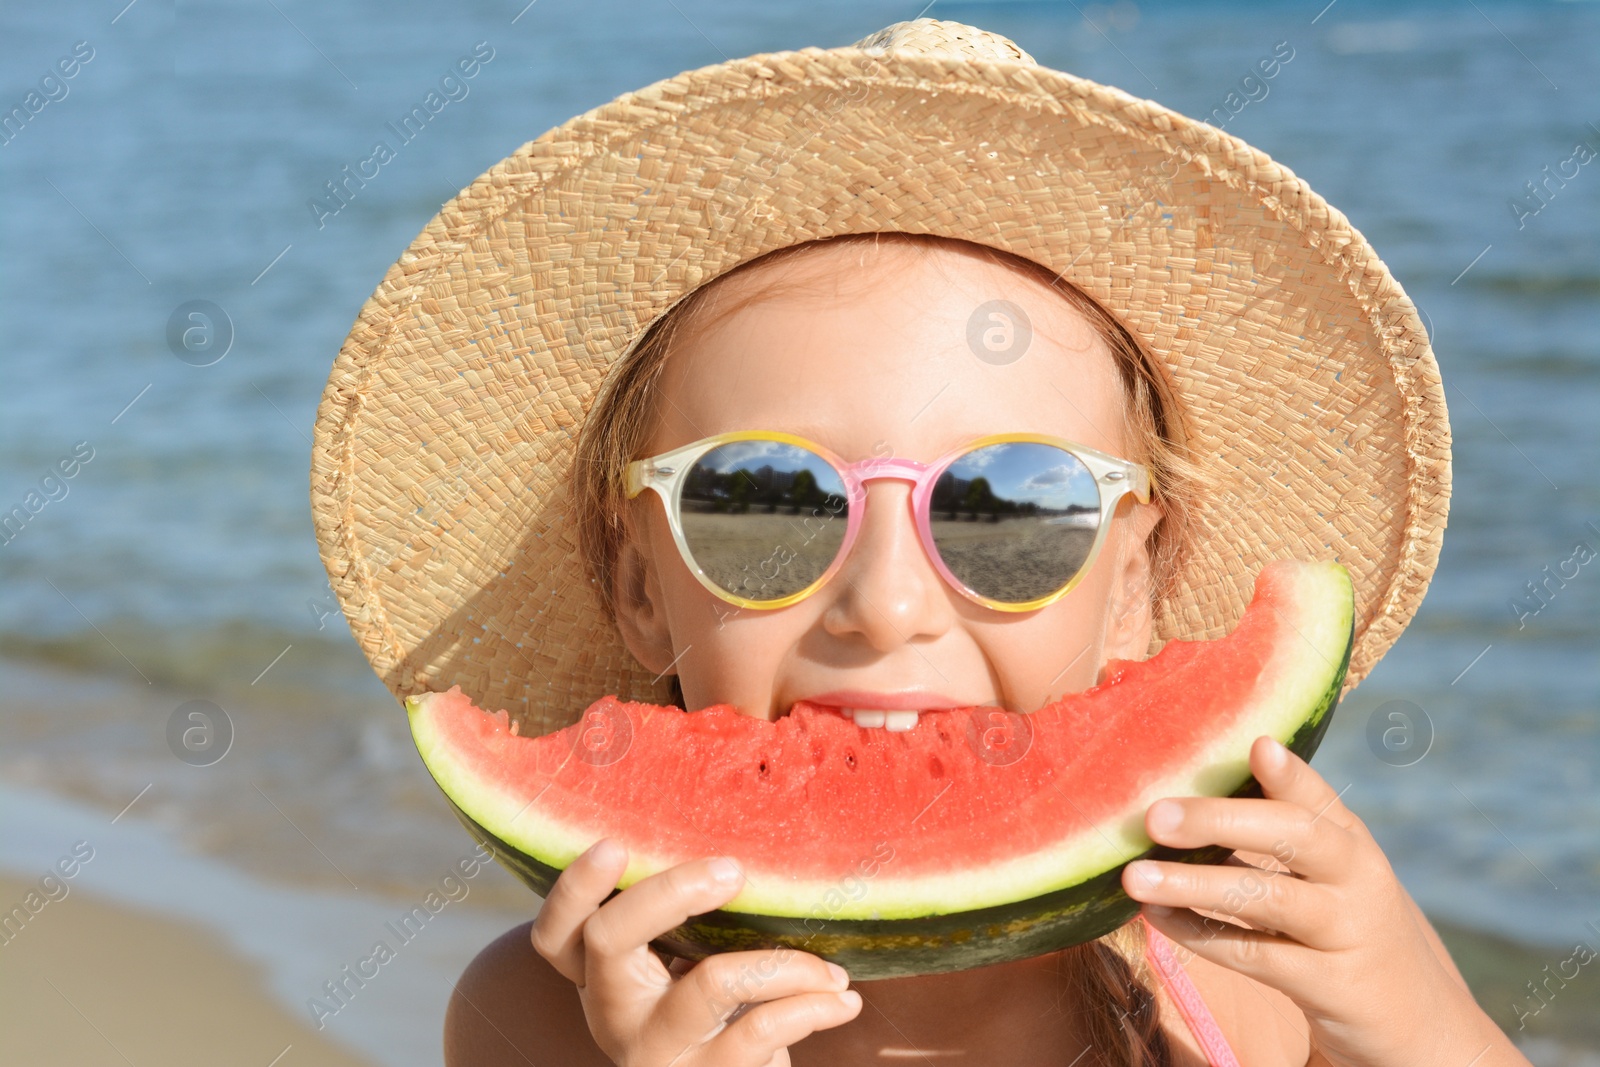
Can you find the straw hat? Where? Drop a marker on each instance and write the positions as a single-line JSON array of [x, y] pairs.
[[447, 430]]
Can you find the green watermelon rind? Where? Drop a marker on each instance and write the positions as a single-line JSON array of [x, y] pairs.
[[924, 939], [871, 949]]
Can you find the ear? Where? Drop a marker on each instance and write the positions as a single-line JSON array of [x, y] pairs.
[[1130, 615], [640, 606]]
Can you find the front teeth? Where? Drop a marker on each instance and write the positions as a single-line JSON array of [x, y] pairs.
[[898, 721]]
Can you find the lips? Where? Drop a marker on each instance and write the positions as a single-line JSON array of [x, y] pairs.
[[904, 700]]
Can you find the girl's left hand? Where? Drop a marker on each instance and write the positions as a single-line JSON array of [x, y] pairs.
[[1334, 931]]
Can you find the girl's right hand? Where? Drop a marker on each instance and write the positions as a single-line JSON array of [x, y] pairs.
[[644, 1015]]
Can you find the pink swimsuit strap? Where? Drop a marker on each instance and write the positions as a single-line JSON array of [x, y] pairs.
[[1181, 988]]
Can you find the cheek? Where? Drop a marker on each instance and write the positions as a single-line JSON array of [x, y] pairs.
[[1040, 656], [727, 654], [1054, 652]]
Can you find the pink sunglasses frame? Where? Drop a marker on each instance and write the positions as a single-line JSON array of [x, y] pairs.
[[665, 473]]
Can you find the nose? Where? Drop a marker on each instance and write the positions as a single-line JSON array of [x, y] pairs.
[[888, 591]]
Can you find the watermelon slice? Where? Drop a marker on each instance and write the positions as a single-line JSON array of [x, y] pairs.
[[976, 837]]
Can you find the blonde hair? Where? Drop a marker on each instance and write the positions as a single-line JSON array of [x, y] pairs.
[[1123, 1019]]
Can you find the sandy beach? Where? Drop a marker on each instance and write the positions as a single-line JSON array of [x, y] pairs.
[[88, 982]]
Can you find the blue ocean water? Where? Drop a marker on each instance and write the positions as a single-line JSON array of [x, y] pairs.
[[182, 161]]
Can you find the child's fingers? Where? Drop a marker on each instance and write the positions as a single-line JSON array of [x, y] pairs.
[[1270, 900], [1312, 847], [717, 985], [1285, 776], [760, 1033], [616, 935], [1269, 959], [557, 932]]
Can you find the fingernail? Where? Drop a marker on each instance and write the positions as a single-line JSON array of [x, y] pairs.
[[840, 975], [850, 998], [605, 852], [1147, 873], [1165, 816], [1160, 911], [1277, 754], [724, 869]]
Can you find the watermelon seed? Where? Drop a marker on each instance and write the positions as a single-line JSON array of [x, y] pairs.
[[762, 767], [850, 758], [935, 767]]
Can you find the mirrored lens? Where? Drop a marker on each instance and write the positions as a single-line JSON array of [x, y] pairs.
[[763, 519], [1015, 521]]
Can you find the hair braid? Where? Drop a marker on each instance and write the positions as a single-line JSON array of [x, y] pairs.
[[1123, 1018]]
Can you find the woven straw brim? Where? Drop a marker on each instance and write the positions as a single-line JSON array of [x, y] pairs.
[[445, 438]]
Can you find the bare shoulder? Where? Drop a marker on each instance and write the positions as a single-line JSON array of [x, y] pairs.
[[510, 1007]]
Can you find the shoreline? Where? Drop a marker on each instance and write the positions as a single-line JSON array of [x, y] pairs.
[[273, 950], [312, 788]]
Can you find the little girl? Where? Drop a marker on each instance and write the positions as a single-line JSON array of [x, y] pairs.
[[853, 342], [892, 251]]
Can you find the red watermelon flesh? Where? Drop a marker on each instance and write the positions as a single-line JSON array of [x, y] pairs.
[[970, 809]]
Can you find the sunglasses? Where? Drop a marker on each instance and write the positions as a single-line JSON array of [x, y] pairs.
[[1011, 520]]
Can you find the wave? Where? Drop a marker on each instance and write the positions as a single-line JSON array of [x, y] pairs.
[[1530, 285], [233, 656]]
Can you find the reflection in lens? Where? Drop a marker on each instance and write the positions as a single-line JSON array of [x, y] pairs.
[[1015, 521], [763, 519]]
